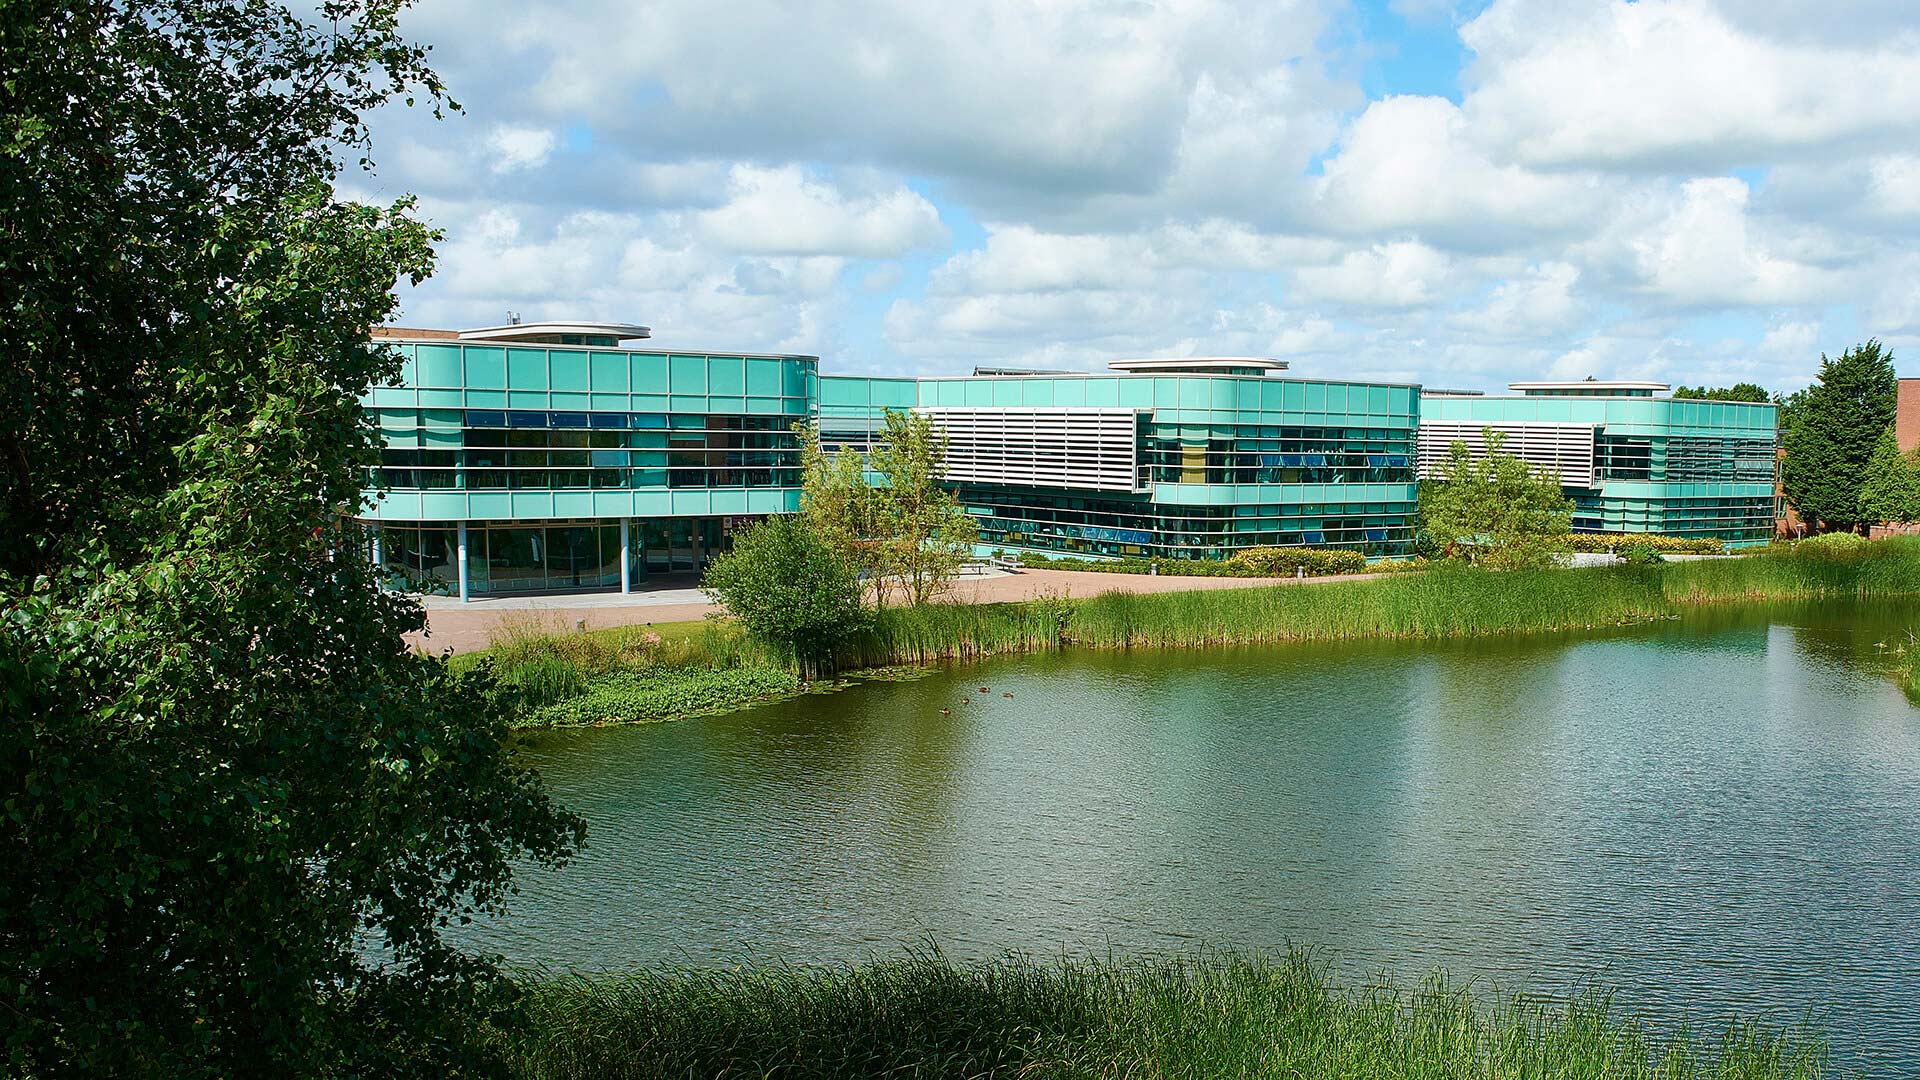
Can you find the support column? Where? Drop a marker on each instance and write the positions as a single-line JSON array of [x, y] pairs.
[[376, 547], [462, 561], [626, 555]]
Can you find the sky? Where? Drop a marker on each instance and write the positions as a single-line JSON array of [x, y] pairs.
[[1455, 193]]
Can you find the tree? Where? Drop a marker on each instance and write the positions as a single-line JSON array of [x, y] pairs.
[[840, 506], [1745, 391], [791, 589], [1890, 489], [1494, 510], [924, 534], [1832, 435], [239, 811]]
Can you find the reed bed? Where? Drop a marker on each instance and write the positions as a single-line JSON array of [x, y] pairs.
[[1212, 1015], [549, 663]]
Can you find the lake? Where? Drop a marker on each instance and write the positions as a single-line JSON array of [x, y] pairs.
[[1714, 815]]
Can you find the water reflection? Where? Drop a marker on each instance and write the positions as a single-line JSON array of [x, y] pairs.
[[1720, 813]]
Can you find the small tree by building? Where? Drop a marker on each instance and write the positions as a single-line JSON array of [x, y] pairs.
[[1494, 510], [792, 590], [838, 504], [1831, 435], [922, 532], [1890, 490]]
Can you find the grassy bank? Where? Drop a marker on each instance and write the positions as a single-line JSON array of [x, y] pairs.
[[1437, 603], [711, 666], [1213, 1016]]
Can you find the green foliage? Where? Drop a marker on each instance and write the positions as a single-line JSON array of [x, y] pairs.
[[1251, 562], [1890, 488], [840, 507], [1601, 543], [791, 590], [1639, 554], [631, 697], [1832, 434], [922, 533], [1283, 561], [1832, 545], [1210, 1015], [1495, 510], [239, 812], [1745, 391], [904, 531]]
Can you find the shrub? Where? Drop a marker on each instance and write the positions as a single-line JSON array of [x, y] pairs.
[[792, 590], [1833, 543], [1639, 554], [1251, 562], [1284, 561], [1603, 543]]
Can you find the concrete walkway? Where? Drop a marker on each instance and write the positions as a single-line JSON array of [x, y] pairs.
[[466, 627]]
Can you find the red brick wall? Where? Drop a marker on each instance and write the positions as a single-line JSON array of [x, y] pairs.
[[1906, 422]]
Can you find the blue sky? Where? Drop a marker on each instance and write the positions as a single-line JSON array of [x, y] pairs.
[[1463, 194]]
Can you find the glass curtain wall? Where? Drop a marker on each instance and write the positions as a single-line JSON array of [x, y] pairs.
[[536, 451], [509, 557]]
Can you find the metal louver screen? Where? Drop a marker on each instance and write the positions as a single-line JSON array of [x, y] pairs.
[[1555, 447], [1089, 448]]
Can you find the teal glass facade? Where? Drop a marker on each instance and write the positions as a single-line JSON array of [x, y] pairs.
[[1674, 466], [515, 466], [1227, 462], [541, 452]]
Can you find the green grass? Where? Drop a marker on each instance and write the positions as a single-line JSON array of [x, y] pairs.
[[1219, 1015], [629, 697], [552, 664]]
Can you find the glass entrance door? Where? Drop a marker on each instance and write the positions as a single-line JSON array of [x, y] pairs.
[[673, 545]]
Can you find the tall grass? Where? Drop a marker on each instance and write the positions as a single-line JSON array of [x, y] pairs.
[[1218, 1015], [551, 663]]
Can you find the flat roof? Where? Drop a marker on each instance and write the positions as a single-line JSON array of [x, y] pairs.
[[533, 331], [1199, 365], [1591, 384]]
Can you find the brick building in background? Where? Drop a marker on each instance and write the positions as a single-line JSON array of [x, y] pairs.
[[1906, 429], [1906, 421]]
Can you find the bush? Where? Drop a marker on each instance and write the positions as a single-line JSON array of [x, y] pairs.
[[1639, 554], [1251, 562], [629, 697], [1833, 543], [1284, 561], [1611, 543], [792, 590]]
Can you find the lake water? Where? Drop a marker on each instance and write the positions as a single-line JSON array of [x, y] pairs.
[[1715, 815]]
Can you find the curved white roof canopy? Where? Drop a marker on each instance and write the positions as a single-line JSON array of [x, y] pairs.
[[1593, 384], [1201, 365], [551, 333]]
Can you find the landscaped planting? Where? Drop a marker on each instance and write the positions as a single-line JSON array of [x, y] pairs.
[[1604, 543], [1443, 602], [1252, 562]]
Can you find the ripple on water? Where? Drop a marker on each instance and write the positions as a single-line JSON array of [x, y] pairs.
[[1717, 816]]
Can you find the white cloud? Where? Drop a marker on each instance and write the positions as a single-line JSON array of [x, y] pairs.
[[515, 147], [1409, 163], [785, 211], [1191, 175], [1537, 304], [1673, 84], [1894, 184], [1704, 251], [1399, 274]]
